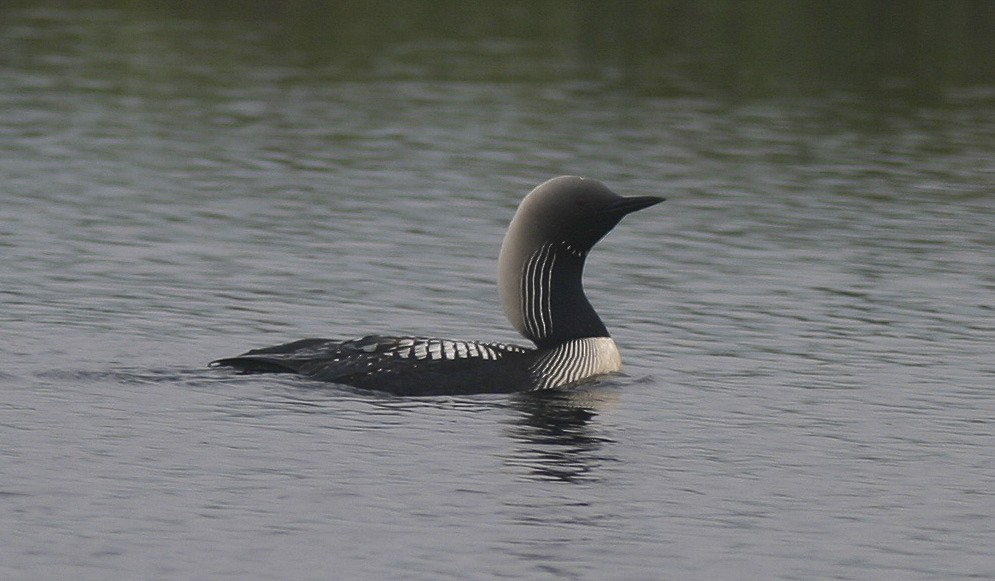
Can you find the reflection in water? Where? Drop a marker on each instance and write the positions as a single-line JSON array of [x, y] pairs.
[[558, 441]]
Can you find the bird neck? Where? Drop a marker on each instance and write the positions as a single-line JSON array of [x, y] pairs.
[[543, 294]]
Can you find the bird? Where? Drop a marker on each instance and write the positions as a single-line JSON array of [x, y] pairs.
[[540, 271]]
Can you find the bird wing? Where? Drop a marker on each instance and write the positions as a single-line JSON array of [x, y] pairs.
[[380, 362]]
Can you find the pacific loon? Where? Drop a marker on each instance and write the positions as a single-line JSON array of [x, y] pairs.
[[539, 280]]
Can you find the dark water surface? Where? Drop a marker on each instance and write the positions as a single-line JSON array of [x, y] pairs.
[[808, 323]]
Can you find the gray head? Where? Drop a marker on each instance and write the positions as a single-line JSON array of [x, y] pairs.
[[542, 257]]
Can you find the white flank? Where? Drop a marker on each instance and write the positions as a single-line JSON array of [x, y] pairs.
[[576, 361]]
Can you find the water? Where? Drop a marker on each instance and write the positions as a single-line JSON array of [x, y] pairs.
[[807, 322]]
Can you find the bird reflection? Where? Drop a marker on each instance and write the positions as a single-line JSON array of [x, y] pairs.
[[558, 440]]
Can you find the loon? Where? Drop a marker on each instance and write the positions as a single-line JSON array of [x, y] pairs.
[[540, 268]]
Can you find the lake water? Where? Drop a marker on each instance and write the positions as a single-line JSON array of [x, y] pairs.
[[808, 323]]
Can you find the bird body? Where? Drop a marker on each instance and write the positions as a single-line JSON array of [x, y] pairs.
[[540, 270]]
